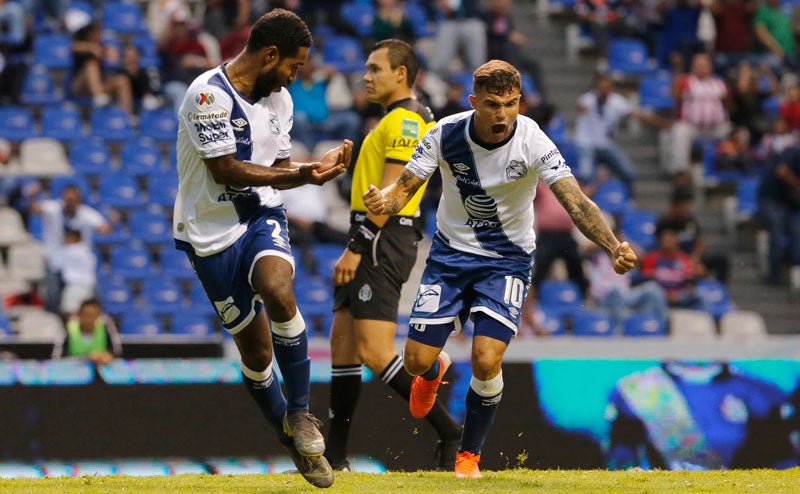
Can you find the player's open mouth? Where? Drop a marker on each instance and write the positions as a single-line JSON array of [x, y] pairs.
[[498, 128]]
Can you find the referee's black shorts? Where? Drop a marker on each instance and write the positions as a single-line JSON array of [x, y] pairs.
[[374, 292]]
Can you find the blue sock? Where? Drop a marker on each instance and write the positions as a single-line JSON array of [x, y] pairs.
[[433, 372], [480, 413], [290, 346], [265, 389]]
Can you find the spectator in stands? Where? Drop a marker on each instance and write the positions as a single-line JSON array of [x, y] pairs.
[[15, 44], [314, 118], [780, 138], [461, 28], [701, 99], [779, 209], [601, 19], [89, 78], [145, 82], [554, 239], [599, 113], [790, 105], [735, 154], [773, 30], [505, 42], [78, 268], [752, 88], [89, 334], [618, 294], [59, 215], [734, 26], [680, 219], [671, 268], [183, 56], [392, 21]]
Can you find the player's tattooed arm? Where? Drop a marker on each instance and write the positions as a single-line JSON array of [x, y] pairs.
[[585, 214], [394, 197]]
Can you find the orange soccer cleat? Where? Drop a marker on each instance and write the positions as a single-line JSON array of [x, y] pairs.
[[423, 392], [467, 465]]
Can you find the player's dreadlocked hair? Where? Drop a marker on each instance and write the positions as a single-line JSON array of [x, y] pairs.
[[496, 77], [281, 28], [400, 54]]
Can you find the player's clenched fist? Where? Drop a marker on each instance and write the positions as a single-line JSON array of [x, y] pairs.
[[624, 258], [375, 200]]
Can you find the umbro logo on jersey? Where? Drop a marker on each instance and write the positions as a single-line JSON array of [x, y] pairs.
[[239, 124], [460, 167]]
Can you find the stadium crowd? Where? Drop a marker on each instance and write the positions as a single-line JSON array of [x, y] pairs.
[[89, 91]]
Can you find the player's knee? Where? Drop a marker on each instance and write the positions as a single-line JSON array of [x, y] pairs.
[[413, 364], [485, 362], [256, 359]]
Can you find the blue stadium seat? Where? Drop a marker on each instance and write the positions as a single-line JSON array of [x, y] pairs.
[[132, 263], [115, 295], [58, 182], [53, 51], [592, 323], [315, 301], [92, 158], [162, 192], [655, 92], [119, 235], [327, 255], [528, 86], [162, 295], [148, 51], [359, 16], [189, 324], [715, 294], [160, 124], [5, 325], [140, 323], [612, 196], [123, 17], [63, 123], [141, 158], [111, 123], [552, 324], [120, 191], [344, 53], [560, 297], [199, 302], [38, 88], [643, 324], [175, 264], [639, 227], [16, 123], [150, 228], [628, 57]]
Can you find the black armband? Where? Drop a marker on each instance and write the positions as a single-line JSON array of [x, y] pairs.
[[361, 241]]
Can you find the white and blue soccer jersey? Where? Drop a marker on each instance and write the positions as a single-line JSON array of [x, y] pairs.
[[487, 192], [216, 120]]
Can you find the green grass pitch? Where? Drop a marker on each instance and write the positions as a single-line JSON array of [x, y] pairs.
[[508, 481]]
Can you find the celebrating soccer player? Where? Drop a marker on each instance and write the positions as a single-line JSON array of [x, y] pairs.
[[480, 262], [233, 156]]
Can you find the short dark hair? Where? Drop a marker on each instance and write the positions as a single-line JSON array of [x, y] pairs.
[[400, 54], [280, 28], [91, 301], [497, 77]]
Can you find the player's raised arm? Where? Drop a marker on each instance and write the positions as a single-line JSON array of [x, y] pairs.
[[392, 199], [591, 222]]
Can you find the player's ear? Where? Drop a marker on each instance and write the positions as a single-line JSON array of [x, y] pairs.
[[472, 101], [402, 73], [271, 55]]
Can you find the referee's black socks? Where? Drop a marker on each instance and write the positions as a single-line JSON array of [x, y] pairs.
[[345, 391]]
